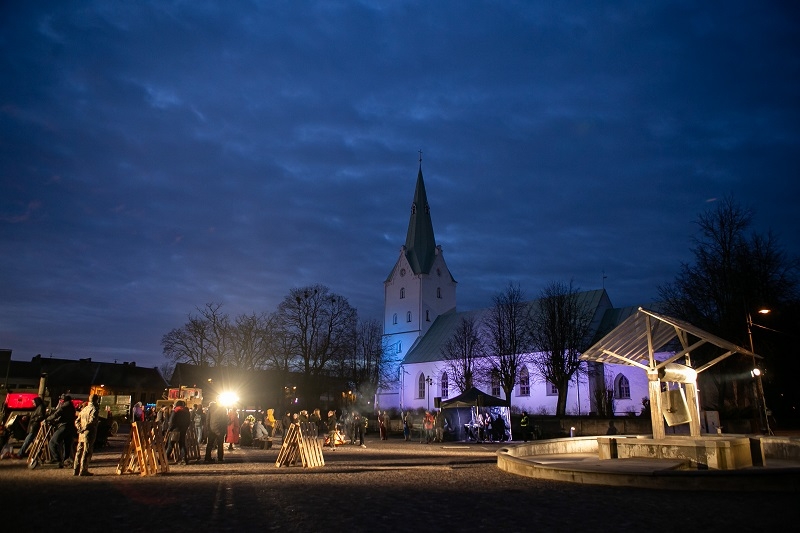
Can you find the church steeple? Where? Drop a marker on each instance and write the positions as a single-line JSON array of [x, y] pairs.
[[420, 241], [419, 289]]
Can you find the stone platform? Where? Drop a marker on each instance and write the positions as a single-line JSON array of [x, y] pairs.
[[679, 463]]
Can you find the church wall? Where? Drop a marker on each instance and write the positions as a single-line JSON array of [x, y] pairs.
[[538, 401]]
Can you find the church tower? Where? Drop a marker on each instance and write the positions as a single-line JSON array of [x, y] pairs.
[[419, 287]]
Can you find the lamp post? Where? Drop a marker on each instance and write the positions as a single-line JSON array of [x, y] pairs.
[[758, 385], [429, 381]]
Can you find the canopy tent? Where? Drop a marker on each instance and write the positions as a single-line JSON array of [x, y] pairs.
[[462, 413], [634, 343], [474, 397]]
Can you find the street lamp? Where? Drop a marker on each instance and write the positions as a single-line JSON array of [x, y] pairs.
[[429, 381], [758, 385]]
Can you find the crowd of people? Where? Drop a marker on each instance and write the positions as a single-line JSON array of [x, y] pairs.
[[221, 428], [74, 432]]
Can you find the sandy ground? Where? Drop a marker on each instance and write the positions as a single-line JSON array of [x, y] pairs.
[[390, 485]]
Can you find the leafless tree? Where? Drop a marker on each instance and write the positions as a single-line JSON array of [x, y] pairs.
[[364, 367], [318, 327], [560, 327], [190, 342], [462, 353], [734, 272], [252, 340], [507, 333]]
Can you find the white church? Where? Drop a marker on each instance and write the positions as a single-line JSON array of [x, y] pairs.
[[420, 315]]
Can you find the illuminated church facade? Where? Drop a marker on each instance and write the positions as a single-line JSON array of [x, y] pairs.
[[420, 316]]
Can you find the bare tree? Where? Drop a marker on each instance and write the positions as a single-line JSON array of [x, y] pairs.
[[251, 340], [560, 327], [364, 367], [319, 327], [507, 330], [189, 343], [734, 272], [219, 333], [462, 353]]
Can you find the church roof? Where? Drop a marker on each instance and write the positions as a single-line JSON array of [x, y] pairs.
[[420, 241], [429, 347]]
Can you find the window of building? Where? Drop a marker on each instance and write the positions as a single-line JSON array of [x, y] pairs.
[[495, 384], [421, 388], [438, 292], [445, 385], [622, 387], [524, 382], [427, 315], [399, 347], [394, 319], [552, 390], [408, 316], [402, 292]]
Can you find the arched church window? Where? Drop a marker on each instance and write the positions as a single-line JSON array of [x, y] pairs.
[[445, 384], [524, 382], [408, 316], [622, 387], [394, 319], [399, 347], [421, 387], [402, 292], [438, 292], [427, 315]]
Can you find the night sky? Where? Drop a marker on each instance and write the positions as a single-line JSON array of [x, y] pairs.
[[157, 156]]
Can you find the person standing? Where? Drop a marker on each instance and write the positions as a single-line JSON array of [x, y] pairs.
[[63, 418], [406, 426], [199, 421], [233, 428], [331, 425], [269, 422], [217, 425], [138, 412], [179, 421], [439, 422], [428, 423], [383, 423], [86, 424], [34, 423], [524, 425], [358, 429]]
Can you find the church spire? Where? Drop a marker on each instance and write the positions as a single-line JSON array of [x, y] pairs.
[[420, 242]]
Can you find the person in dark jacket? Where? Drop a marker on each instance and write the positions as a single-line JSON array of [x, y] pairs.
[[63, 418], [331, 425], [179, 421], [217, 427], [35, 422]]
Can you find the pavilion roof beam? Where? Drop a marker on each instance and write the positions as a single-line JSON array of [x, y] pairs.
[[626, 359]]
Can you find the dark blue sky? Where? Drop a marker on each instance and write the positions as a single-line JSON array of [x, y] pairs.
[[156, 156]]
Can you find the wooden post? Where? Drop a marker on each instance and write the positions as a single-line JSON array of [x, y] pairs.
[[656, 416]]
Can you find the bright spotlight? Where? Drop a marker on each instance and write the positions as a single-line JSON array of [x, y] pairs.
[[755, 372], [228, 399]]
